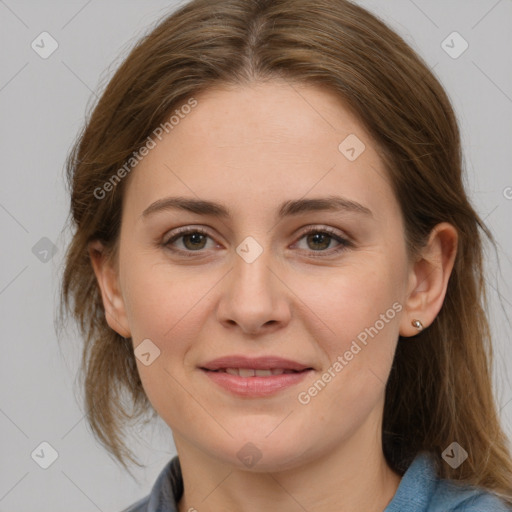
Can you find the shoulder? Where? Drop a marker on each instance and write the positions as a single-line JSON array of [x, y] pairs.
[[422, 491], [140, 506], [452, 497], [166, 491]]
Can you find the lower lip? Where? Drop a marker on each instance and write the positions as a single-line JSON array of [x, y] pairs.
[[256, 386]]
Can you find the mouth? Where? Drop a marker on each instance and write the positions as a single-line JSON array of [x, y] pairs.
[[253, 378]]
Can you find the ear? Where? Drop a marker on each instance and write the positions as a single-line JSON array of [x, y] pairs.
[[428, 278], [108, 282]]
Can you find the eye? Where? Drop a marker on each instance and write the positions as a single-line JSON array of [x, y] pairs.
[[189, 240], [319, 240]]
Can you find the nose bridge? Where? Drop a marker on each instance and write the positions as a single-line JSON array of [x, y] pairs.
[[251, 273]]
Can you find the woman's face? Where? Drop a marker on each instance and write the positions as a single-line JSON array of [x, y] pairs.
[[253, 283]]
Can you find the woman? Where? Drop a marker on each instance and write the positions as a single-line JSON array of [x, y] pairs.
[[275, 253]]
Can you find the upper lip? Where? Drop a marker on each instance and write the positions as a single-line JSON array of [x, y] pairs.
[[256, 363]]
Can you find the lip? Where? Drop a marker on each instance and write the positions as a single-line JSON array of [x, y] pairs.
[[254, 387]]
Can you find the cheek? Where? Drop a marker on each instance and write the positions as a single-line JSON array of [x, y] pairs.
[[352, 299], [168, 308], [357, 329], [161, 302]]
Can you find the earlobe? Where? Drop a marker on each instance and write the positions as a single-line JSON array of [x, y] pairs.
[[107, 279], [428, 280]]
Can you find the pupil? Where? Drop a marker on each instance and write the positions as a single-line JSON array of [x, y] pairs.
[[195, 239], [318, 238]]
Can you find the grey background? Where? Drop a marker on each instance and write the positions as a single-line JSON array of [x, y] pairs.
[[43, 102]]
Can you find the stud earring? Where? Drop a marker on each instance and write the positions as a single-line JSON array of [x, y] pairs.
[[417, 324]]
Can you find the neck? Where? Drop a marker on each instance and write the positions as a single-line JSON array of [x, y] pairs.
[[350, 478]]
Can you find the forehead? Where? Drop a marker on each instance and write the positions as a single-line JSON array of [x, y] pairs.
[[275, 112], [260, 144]]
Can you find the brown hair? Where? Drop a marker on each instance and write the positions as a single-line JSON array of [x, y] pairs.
[[440, 387]]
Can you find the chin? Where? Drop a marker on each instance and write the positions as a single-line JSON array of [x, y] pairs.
[[260, 454]]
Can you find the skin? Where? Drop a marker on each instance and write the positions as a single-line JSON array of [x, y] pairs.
[[299, 299]]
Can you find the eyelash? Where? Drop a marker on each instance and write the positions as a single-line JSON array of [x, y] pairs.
[[343, 242]]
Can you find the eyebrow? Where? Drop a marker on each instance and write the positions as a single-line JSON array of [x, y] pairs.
[[288, 208]]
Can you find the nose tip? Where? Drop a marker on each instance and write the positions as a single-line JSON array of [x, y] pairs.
[[253, 328]]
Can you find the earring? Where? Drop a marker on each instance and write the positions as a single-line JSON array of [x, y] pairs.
[[417, 324]]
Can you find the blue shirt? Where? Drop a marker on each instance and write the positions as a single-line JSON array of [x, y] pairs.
[[419, 491]]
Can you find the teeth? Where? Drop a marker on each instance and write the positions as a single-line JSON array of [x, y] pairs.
[[249, 372], [263, 373]]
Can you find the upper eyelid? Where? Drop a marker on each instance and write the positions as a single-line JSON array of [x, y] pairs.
[[184, 230]]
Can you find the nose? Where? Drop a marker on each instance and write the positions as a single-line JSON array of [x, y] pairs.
[[254, 298]]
